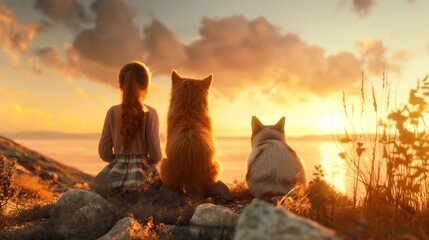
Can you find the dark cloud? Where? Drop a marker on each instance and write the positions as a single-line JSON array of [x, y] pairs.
[[99, 52], [241, 53], [362, 6], [69, 12], [51, 57], [244, 53], [114, 40], [162, 50]]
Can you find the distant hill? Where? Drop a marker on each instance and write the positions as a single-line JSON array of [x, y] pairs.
[[34, 163], [52, 135]]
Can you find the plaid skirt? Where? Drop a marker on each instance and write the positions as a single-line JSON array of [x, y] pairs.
[[129, 172]]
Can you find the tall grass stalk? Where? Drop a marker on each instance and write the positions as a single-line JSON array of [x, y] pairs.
[[387, 149]]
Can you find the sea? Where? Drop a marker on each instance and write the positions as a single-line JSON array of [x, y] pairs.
[[232, 153]]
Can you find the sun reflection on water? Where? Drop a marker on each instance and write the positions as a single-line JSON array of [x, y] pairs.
[[333, 166]]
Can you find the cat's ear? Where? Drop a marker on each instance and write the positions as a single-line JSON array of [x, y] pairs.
[[256, 124], [280, 125], [175, 77], [208, 81]]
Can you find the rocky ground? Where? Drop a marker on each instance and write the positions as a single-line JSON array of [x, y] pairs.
[[157, 214]]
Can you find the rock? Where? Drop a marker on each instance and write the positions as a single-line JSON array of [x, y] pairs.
[[168, 192], [52, 176], [169, 228], [220, 188], [88, 222], [13, 153], [60, 190], [197, 232], [210, 215], [123, 229], [260, 220], [75, 199]]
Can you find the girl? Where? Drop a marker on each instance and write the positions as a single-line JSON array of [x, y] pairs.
[[130, 137]]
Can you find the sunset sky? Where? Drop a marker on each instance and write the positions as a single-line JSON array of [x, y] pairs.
[[59, 58]]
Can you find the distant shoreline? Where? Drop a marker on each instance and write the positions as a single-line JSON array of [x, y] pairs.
[[63, 135]]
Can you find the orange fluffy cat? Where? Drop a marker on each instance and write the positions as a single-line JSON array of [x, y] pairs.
[[190, 166]]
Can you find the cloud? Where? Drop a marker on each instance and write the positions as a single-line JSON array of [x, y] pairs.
[[15, 38], [20, 118], [427, 46], [97, 71], [362, 6], [162, 49], [35, 66], [51, 57], [100, 52], [240, 53], [373, 54], [402, 55], [79, 94], [11, 94], [100, 98], [244, 53], [17, 117], [114, 40], [69, 12]]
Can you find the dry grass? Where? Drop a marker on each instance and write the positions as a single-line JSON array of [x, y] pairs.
[[388, 156], [240, 190], [33, 187], [26, 216], [296, 201]]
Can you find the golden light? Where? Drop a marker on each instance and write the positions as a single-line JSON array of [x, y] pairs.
[[330, 122], [333, 166]]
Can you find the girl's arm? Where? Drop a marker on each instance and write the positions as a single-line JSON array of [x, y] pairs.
[[152, 133], [105, 146]]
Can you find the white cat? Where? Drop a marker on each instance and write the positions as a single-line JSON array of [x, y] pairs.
[[273, 167]]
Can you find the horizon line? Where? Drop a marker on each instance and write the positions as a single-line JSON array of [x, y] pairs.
[[67, 135]]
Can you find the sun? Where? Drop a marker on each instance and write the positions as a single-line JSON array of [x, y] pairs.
[[331, 123]]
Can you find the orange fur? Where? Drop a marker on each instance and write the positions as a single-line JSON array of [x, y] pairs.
[[190, 165]]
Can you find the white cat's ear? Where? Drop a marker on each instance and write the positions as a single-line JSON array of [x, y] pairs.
[[280, 125], [208, 81], [256, 124], [175, 77]]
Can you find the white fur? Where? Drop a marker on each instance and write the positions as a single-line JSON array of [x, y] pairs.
[[273, 164]]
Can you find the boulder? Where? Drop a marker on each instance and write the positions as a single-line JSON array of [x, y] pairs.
[[75, 199], [260, 220], [210, 215], [123, 229], [89, 222]]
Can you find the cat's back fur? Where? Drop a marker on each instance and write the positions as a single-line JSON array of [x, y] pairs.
[[273, 166], [190, 165]]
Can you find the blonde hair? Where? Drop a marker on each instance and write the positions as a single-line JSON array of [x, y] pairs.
[[134, 80]]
